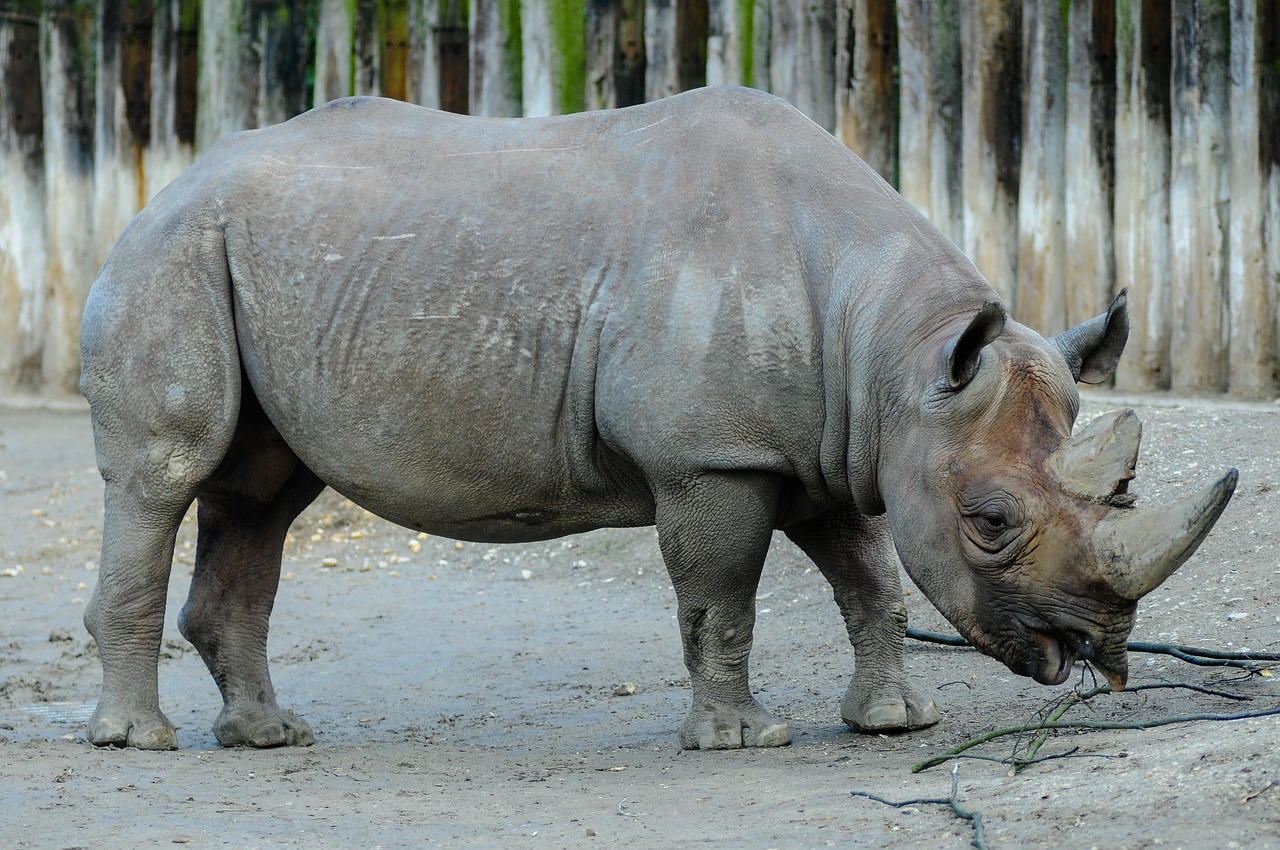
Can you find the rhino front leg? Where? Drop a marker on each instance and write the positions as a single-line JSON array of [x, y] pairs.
[[855, 553], [714, 531]]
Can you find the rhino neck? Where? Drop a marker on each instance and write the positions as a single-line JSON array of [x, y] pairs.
[[890, 328]]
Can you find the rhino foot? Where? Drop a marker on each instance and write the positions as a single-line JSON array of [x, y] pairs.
[[721, 727], [887, 713], [145, 729], [263, 728]]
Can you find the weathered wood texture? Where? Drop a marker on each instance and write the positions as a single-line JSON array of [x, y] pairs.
[[1141, 234], [991, 71], [930, 174], [1042, 193], [1199, 206], [866, 109], [615, 53], [1071, 149], [802, 57], [496, 58], [1088, 258], [1254, 181]]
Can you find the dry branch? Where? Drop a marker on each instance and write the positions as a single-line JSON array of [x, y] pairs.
[[975, 818]]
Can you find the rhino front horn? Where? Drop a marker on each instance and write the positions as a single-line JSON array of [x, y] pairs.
[[1139, 549]]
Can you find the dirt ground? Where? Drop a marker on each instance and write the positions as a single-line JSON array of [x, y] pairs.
[[479, 696]]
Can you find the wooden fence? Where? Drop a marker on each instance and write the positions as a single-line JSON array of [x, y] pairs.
[[1070, 148]]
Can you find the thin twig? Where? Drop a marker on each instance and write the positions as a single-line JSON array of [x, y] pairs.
[[1189, 654], [974, 818], [1086, 724]]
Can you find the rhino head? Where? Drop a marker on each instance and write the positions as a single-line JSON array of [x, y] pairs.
[[1022, 535]]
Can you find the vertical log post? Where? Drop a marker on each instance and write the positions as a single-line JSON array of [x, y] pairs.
[[734, 40], [1143, 32], [335, 39], [802, 57], [1252, 359], [123, 117], [553, 35], [1198, 199], [1041, 296], [1269, 157], [1089, 255], [66, 57], [422, 65], [224, 103], [990, 47], [662, 70], [495, 58], [276, 62], [866, 55], [929, 136], [22, 204], [454, 44], [174, 71], [691, 43], [615, 53]]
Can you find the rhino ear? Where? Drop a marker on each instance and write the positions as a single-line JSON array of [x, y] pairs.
[[965, 351], [1093, 349]]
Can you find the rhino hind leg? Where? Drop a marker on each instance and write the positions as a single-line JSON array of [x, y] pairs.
[[245, 509], [714, 531], [163, 388], [856, 556]]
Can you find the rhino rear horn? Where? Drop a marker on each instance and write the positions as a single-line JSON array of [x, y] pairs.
[[1098, 462], [1093, 349], [965, 351]]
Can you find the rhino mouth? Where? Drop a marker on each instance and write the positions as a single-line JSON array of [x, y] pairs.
[[1058, 653]]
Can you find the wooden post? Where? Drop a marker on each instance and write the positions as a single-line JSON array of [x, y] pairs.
[[929, 136], [1252, 358], [455, 57], [615, 53], [1041, 296], [495, 58], [22, 205], [335, 39], [424, 66], [1142, 189], [802, 57], [66, 51], [175, 67], [662, 72], [122, 121], [1269, 156], [734, 43], [365, 48], [553, 33], [866, 54], [990, 47], [224, 104], [275, 62], [691, 43], [1089, 255], [1198, 195]]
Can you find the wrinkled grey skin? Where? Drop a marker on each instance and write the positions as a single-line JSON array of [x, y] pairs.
[[703, 313]]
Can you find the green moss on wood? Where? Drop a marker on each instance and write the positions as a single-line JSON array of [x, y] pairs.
[[746, 12], [569, 53]]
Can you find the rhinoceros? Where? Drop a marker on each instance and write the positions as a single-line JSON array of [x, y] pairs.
[[704, 313]]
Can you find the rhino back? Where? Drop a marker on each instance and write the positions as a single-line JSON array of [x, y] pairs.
[[479, 324]]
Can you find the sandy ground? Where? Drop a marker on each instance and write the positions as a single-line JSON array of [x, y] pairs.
[[474, 695]]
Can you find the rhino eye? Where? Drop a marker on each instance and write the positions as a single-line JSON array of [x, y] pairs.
[[991, 524], [994, 524]]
